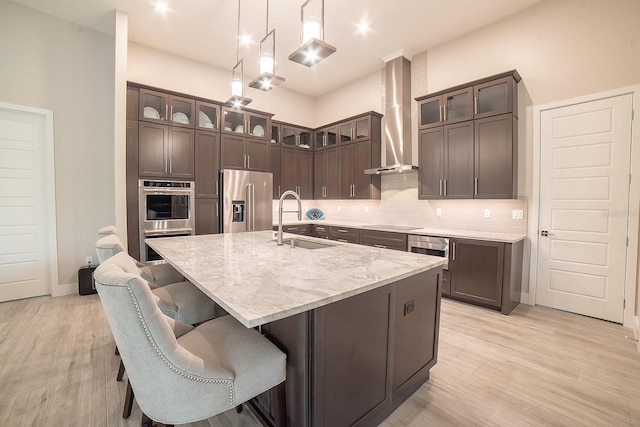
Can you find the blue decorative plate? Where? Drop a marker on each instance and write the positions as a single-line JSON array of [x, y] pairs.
[[314, 213]]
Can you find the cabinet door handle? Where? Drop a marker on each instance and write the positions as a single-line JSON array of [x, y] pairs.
[[475, 105], [445, 112], [291, 228], [166, 165], [319, 228], [454, 251], [343, 241], [279, 192], [166, 111], [339, 230], [440, 188], [170, 165], [248, 161], [380, 246], [440, 108], [217, 187], [475, 186], [171, 113], [445, 187]]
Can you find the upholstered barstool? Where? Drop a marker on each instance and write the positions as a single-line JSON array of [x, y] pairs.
[[157, 275], [187, 376]]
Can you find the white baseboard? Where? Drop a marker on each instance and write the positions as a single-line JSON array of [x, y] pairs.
[[62, 290]]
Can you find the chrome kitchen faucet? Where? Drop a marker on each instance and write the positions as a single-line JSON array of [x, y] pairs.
[[280, 211]]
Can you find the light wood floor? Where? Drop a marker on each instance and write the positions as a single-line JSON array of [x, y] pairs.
[[535, 367]]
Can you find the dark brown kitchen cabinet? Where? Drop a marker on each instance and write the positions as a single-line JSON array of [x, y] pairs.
[[301, 229], [275, 170], [353, 160], [448, 152], [296, 171], [326, 174], [486, 273], [326, 137], [246, 122], [208, 116], [238, 152], [207, 219], [384, 239], [293, 136], [355, 130], [496, 157], [477, 157], [344, 234], [452, 107], [159, 107], [165, 151], [498, 96], [207, 164], [321, 231]]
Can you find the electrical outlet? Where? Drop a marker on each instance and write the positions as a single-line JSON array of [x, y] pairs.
[[487, 213], [88, 260], [438, 211], [517, 214]]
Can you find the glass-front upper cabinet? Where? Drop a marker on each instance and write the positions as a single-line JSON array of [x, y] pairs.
[[275, 133], [289, 136], [430, 112], [326, 137], [355, 130], [164, 108], [246, 122], [495, 97], [304, 138], [320, 139], [208, 115], [458, 106]]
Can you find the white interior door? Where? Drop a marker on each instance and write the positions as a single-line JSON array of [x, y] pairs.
[[584, 203], [27, 237]]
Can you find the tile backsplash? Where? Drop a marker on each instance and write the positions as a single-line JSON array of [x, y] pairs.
[[399, 205]]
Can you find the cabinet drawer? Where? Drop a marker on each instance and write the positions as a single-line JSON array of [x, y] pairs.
[[303, 229], [321, 231], [344, 234], [384, 239]]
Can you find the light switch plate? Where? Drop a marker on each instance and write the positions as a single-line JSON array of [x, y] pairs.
[[517, 214], [438, 211], [487, 213]]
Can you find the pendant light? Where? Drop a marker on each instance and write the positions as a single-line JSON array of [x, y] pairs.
[[267, 60], [237, 99], [313, 49]]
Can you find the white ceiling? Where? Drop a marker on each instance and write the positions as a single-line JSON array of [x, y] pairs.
[[205, 30]]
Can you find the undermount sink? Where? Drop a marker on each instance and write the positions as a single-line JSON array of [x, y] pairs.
[[305, 244]]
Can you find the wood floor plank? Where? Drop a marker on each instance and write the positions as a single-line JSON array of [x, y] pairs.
[[536, 367]]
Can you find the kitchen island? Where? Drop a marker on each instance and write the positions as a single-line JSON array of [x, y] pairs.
[[359, 324]]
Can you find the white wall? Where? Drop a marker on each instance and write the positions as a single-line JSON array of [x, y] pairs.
[[166, 71], [54, 64], [354, 98]]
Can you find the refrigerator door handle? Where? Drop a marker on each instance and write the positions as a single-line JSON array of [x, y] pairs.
[[249, 207]]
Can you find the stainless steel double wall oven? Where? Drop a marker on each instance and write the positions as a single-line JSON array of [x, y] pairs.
[[166, 209]]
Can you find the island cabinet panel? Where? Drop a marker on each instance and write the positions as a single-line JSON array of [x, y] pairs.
[[417, 320], [302, 229], [384, 239], [321, 231], [351, 356]]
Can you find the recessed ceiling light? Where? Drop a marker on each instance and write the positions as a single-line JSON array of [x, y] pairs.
[[363, 27], [162, 6]]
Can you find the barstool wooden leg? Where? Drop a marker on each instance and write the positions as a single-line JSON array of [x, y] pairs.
[[120, 372], [128, 401]]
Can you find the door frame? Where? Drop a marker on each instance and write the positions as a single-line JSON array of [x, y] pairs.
[[630, 321], [50, 224]]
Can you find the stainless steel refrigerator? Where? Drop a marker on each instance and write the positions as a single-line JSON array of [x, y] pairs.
[[246, 201]]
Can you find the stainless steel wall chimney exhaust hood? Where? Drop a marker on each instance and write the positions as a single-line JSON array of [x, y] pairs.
[[397, 119]]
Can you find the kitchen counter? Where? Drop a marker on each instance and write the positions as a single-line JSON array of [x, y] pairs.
[[258, 282], [492, 236]]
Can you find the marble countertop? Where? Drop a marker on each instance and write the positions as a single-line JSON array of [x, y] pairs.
[[462, 234], [258, 282]]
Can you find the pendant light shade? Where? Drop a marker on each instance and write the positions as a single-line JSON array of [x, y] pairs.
[[267, 60], [313, 49], [237, 100], [267, 78]]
